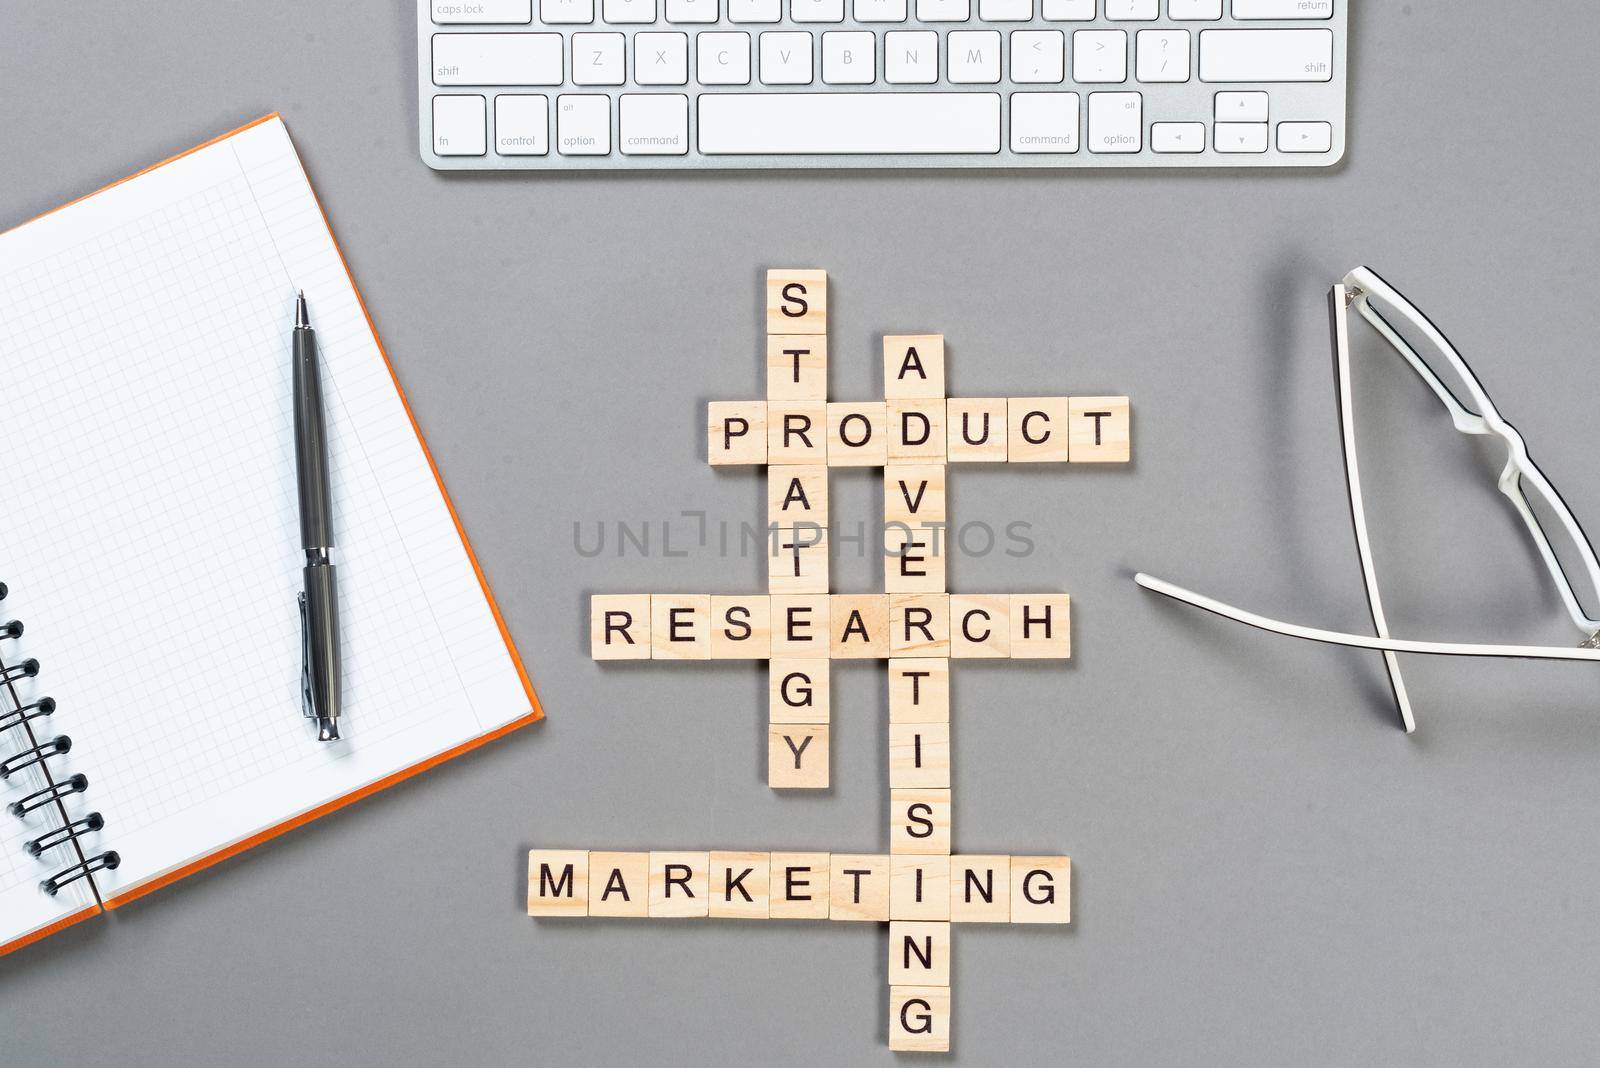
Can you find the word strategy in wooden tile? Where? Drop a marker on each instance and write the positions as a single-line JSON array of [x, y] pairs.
[[920, 887]]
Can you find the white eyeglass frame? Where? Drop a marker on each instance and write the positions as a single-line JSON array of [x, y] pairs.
[[1355, 291]]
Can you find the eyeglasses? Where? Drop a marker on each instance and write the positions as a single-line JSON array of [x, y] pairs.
[[1567, 552]]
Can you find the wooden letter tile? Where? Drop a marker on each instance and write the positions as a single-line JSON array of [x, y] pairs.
[[1038, 430], [1041, 626], [619, 626], [980, 626], [797, 559], [619, 884], [919, 755], [800, 626], [798, 691], [914, 558], [976, 430], [919, 953], [558, 882], [860, 624], [797, 367], [919, 624], [797, 432], [1099, 430], [1041, 890], [913, 497], [738, 884], [736, 432], [857, 435], [859, 888], [797, 495], [919, 1019], [679, 885], [919, 887], [913, 366], [916, 431], [919, 690], [919, 822], [680, 626], [797, 756], [980, 889], [799, 886], [741, 627], [797, 302]]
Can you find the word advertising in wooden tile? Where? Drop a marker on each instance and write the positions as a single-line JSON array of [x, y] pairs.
[[913, 367], [919, 1019]]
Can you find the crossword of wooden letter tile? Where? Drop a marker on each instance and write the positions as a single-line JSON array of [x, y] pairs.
[[799, 625]]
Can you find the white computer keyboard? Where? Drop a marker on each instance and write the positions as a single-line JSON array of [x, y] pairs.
[[672, 84]]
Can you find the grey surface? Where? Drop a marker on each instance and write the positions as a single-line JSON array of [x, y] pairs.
[[1179, 101], [1267, 870]]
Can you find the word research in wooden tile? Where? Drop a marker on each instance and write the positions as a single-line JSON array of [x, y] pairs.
[[916, 627]]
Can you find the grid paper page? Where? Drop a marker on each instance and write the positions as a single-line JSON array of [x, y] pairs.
[[155, 543]]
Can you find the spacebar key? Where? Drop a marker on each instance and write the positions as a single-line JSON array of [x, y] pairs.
[[786, 124]]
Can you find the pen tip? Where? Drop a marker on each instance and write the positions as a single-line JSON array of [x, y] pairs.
[[327, 730], [300, 316]]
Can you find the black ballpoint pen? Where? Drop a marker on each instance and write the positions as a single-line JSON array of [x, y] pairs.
[[319, 604]]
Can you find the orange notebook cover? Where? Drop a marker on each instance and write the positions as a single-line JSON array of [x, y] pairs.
[[145, 329]]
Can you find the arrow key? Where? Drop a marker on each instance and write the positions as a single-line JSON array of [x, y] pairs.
[[1240, 136], [1305, 137]]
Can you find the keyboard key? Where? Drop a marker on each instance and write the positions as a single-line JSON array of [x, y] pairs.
[[1038, 56], [522, 125], [1133, 10], [816, 10], [849, 123], [629, 12], [1099, 56], [880, 10], [850, 57], [661, 58], [451, 11], [944, 10], [497, 58], [566, 12], [1068, 10], [458, 125], [1116, 122], [1305, 137], [1242, 107], [1178, 137], [722, 58], [692, 11], [1266, 55], [1162, 56], [654, 124], [1005, 10], [1239, 136], [1194, 10], [786, 58], [911, 58], [597, 58], [974, 57], [755, 10], [583, 125], [1044, 122], [1283, 9]]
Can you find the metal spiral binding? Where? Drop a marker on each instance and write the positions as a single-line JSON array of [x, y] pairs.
[[36, 753]]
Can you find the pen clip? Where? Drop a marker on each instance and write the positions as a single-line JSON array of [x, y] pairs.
[[307, 706]]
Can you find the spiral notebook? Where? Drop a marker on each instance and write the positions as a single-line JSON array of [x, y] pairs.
[[150, 715]]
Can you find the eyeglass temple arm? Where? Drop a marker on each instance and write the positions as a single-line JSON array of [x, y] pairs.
[[1338, 310], [1584, 653]]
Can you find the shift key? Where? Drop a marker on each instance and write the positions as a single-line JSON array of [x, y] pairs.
[[1266, 55]]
